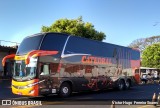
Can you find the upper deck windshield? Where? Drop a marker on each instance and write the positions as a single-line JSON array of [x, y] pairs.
[[23, 71], [49, 41], [29, 44]]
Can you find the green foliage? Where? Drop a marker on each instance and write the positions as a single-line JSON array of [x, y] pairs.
[[151, 56], [75, 27]]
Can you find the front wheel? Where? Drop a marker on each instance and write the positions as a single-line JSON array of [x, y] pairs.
[[65, 90], [121, 85]]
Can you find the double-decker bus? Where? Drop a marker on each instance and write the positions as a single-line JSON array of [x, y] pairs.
[[57, 63]]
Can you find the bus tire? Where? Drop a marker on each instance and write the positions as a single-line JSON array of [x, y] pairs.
[[45, 95], [65, 90], [121, 85], [127, 84]]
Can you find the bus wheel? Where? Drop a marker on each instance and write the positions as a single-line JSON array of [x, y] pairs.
[[121, 85], [65, 90], [128, 85], [45, 95]]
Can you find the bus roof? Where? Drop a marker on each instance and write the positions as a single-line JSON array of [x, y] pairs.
[[44, 33], [147, 68], [76, 44]]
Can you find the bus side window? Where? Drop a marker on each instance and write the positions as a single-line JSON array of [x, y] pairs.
[[44, 69], [54, 67]]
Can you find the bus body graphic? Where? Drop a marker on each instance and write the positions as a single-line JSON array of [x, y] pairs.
[[48, 63]]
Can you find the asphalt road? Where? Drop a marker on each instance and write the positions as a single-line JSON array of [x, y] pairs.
[[94, 99]]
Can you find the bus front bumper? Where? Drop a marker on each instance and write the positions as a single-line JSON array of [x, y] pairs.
[[21, 88]]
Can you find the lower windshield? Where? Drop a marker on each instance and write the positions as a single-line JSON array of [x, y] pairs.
[[23, 71]]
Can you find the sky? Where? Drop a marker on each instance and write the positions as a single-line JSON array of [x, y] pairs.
[[122, 21]]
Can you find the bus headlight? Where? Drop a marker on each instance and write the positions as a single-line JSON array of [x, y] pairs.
[[30, 85]]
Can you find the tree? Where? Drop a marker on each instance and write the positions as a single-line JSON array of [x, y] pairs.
[[151, 56], [75, 27], [142, 43]]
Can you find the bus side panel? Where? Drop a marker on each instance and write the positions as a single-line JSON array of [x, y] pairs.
[[93, 65], [92, 76]]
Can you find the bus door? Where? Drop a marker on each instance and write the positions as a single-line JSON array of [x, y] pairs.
[[45, 80]]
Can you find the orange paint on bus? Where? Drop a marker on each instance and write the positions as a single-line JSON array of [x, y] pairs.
[[95, 60], [23, 88]]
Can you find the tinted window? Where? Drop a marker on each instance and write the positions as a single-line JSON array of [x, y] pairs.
[[143, 70], [95, 48], [54, 41], [80, 45], [86, 46], [29, 44]]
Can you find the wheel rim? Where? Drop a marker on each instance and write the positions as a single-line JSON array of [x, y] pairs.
[[65, 90], [127, 84], [120, 85]]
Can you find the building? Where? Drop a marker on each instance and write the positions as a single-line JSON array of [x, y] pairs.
[[5, 50]]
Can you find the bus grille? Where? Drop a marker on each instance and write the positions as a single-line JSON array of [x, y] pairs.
[[19, 87]]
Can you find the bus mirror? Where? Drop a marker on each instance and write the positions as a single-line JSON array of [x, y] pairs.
[[44, 53], [7, 57], [27, 58], [36, 53]]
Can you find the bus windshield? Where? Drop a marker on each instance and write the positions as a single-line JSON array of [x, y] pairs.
[[29, 44], [23, 71]]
